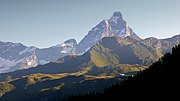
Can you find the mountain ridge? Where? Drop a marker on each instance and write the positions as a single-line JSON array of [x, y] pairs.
[[104, 52], [109, 53], [16, 56]]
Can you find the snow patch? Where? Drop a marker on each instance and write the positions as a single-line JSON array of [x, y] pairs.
[[63, 45], [29, 63], [42, 62], [29, 49], [64, 52], [24, 51]]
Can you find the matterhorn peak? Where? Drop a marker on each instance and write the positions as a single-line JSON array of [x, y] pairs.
[[115, 26], [117, 14]]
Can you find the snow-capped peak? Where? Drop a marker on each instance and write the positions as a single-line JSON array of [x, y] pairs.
[[115, 26], [116, 16]]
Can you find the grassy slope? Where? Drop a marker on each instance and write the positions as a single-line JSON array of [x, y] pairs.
[[5, 87], [39, 86], [159, 81]]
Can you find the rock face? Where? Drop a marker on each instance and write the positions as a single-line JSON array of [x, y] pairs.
[[115, 26], [15, 56]]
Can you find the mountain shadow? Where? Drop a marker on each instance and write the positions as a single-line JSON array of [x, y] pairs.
[[159, 81]]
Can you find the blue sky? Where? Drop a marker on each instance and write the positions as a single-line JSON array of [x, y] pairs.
[[44, 23]]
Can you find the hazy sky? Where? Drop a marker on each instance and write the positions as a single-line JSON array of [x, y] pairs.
[[44, 23]]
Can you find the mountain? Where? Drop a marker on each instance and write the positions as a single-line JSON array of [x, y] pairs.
[[100, 66], [15, 56], [55, 52], [116, 50], [111, 60], [68, 47], [159, 81], [162, 46], [110, 53], [123, 51], [115, 26]]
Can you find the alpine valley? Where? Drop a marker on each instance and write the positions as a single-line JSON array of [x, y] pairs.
[[108, 54]]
